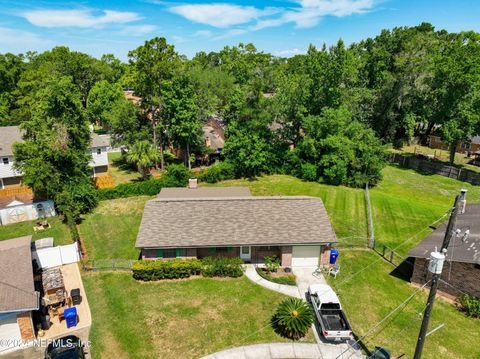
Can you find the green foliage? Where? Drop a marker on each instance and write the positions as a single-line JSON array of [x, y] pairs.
[[247, 151], [272, 263], [222, 267], [219, 171], [339, 150], [176, 175], [144, 155], [102, 99], [293, 318], [470, 305], [77, 198], [127, 125], [149, 270], [288, 279]]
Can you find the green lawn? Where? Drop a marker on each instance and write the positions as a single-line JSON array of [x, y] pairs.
[[120, 171], [403, 204], [177, 319], [111, 230], [373, 293], [59, 231]]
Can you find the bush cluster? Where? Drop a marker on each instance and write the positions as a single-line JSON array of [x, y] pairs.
[[222, 267], [148, 270], [218, 172], [470, 305], [174, 176], [289, 279]]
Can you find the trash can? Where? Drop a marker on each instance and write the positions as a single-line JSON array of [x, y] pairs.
[[333, 256], [70, 315]]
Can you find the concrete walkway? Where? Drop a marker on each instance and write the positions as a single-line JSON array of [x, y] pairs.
[[289, 290], [307, 276], [285, 351]]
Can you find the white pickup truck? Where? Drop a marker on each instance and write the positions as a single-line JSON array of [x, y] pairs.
[[334, 323]]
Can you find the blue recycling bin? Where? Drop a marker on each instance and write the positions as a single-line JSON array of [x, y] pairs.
[[70, 315], [333, 256]]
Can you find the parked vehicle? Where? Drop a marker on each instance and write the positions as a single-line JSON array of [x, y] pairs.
[[69, 347], [328, 310]]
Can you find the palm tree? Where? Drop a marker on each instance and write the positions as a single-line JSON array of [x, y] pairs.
[[293, 318], [144, 155]]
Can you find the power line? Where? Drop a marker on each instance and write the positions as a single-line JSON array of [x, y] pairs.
[[401, 306]]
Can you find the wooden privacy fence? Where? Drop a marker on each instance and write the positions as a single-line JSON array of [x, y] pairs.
[[108, 265], [438, 168]]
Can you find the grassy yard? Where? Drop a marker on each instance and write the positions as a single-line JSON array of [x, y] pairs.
[[177, 319], [371, 295], [59, 231], [120, 171], [404, 204], [111, 230]]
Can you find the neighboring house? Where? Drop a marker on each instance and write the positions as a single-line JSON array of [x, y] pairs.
[[472, 146], [12, 134], [462, 265], [99, 146], [8, 176], [214, 137], [228, 221], [130, 96], [24, 207], [18, 297]]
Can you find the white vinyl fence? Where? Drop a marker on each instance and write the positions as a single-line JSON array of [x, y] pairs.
[[56, 256]]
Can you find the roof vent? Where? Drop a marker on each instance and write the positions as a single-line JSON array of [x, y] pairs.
[[192, 183]]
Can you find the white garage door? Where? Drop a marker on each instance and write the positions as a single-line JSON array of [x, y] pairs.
[[305, 256], [10, 331]]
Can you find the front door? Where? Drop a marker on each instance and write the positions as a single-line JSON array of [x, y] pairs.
[[245, 253]]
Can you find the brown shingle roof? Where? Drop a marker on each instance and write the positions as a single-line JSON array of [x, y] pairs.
[[204, 192], [8, 136], [16, 276], [233, 221], [467, 251]]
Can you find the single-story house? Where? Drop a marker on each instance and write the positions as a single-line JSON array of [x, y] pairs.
[[228, 221], [24, 207], [18, 297], [9, 135], [462, 265]]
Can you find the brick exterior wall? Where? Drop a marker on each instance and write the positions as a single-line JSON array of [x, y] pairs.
[[286, 256], [25, 324], [464, 276]]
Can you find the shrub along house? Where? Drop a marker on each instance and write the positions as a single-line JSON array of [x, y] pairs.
[[228, 221], [462, 266]]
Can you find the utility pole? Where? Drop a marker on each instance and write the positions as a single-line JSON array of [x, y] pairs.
[[435, 267]]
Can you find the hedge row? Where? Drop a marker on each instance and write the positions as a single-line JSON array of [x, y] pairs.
[[217, 172], [170, 269], [149, 270]]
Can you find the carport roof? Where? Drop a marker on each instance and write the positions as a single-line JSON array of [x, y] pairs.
[[17, 292], [234, 221]]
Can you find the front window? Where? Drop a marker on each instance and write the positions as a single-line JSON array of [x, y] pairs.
[[99, 151], [5, 160], [245, 250], [169, 253]]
